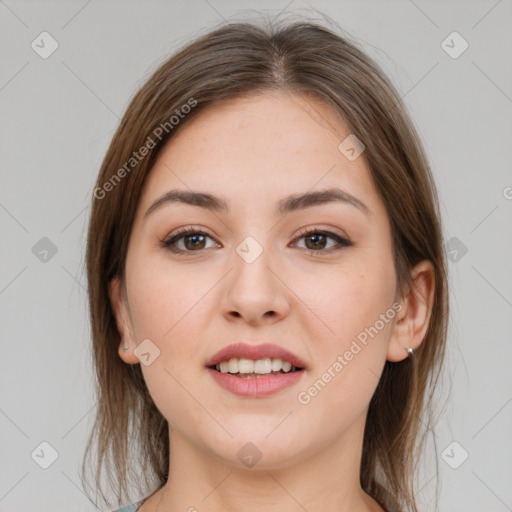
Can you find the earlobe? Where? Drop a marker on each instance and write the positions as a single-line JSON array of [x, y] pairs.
[[126, 353], [413, 319]]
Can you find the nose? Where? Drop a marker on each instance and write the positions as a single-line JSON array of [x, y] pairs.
[[255, 292]]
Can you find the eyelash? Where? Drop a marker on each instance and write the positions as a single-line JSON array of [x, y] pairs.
[[182, 233]]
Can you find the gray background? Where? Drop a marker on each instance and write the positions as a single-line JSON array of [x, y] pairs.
[[57, 118]]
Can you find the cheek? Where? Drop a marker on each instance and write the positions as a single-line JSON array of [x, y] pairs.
[[166, 301], [170, 308], [348, 363], [172, 305], [347, 300], [361, 315]]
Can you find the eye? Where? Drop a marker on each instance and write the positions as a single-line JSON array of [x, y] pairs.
[[193, 240], [187, 240], [316, 240]]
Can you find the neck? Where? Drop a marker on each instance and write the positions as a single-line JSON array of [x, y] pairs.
[[327, 480]]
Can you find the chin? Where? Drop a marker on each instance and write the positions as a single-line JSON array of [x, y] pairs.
[[255, 449]]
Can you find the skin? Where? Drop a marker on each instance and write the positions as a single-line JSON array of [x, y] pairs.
[[252, 152]]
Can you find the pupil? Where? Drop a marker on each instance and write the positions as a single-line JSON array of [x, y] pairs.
[[194, 245], [316, 236]]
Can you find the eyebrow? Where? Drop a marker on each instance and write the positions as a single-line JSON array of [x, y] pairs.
[[286, 205]]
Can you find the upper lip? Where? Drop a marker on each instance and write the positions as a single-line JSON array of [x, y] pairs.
[[262, 351]]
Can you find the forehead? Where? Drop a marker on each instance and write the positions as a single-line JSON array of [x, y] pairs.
[[273, 126], [258, 149]]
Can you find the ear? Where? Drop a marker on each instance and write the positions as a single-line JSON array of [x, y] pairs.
[[413, 317], [119, 303]]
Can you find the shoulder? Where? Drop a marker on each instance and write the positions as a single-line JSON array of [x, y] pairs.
[[130, 508]]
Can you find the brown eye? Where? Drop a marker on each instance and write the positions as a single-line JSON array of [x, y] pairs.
[[194, 241], [187, 240], [317, 240]]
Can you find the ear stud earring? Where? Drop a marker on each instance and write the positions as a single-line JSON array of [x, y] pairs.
[[410, 351], [124, 347]]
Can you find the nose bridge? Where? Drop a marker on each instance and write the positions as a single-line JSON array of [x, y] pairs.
[[254, 290]]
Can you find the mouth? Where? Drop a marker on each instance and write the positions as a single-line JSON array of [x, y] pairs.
[[255, 369]]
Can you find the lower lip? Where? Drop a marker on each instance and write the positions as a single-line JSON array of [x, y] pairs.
[[255, 387]]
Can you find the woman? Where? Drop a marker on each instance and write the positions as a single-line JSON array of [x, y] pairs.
[[267, 284]]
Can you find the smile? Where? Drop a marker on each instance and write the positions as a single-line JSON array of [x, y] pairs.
[[255, 371], [249, 368], [255, 378]]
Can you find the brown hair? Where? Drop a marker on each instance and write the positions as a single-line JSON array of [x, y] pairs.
[[236, 60]]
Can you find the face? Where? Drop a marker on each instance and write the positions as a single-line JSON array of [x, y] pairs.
[[255, 274]]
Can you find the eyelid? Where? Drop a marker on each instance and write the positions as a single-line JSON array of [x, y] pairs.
[[321, 230], [187, 230]]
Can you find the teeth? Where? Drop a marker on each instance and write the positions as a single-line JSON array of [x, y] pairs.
[[276, 364], [245, 366], [232, 365], [260, 366], [263, 365]]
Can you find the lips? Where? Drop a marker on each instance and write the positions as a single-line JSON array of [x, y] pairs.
[[259, 386], [255, 352]]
